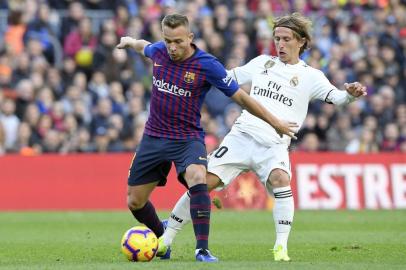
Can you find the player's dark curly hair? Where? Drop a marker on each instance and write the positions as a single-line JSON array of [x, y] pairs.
[[300, 25], [175, 20]]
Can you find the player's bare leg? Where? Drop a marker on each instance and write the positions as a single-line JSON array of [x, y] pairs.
[[142, 209], [180, 215], [283, 212]]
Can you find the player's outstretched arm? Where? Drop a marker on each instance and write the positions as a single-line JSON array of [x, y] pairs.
[[352, 92], [137, 44], [254, 107]]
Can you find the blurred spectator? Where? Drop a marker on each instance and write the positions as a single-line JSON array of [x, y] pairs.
[[340, 133], [68, 70], [44, 125], [116, 95], [355, 110], [401, 118], [27, 143], [5, 73], [2, 140], [389, 36], [114, 132], [45, 100], [76, 13], [105, 46], [32, 116], [9, 122], [101, 139], [40, 29], [391, 139], [100, 121], [119, 67], [84, 143], [364, 144], [97, 4], [321, 130], [22, 68], [70, 134], [310, 143], [98, 86], [57, 114], [121, 20], [13, 37], [51, 142], [81, 43], [55, 83]]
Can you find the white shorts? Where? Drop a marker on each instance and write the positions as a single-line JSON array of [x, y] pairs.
[[239, 152]]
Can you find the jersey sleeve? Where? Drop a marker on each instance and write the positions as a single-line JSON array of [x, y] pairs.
[[244, 74], [327, 92], [152, 48], [321, 86], [218, 78]]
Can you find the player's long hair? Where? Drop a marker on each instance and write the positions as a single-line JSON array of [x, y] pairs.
[[300, 25], [175, 20]]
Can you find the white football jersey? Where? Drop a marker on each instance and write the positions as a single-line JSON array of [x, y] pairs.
[[285, 90]]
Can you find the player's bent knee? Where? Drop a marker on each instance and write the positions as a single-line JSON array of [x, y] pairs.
[[279, 178], [135, 203], [138, 195], [195, 174]]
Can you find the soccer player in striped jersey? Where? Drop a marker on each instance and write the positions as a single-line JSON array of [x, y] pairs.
[[182, 75], [284, 85]]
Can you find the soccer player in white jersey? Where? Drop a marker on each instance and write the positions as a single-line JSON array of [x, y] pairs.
[[284, 85]]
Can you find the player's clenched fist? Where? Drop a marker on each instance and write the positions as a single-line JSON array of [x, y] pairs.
[[125, 42]]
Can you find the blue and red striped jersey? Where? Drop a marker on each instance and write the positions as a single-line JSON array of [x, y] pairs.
[[179, 89]]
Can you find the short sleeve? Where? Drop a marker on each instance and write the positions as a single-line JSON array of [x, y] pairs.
[[321, 86], [217, 77], [151, 49], [244, 73]]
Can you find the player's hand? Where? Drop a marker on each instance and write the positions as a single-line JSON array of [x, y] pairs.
[[125, 42], [355, 89], [287, 128]]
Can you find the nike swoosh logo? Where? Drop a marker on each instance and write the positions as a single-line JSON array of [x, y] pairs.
[[202, 158], [157, 65]]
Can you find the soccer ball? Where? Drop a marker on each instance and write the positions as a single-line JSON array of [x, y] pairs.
[[139, 244]]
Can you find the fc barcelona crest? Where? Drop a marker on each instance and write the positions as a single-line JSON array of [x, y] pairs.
[[269, 64], [189, 77], [294, 81]]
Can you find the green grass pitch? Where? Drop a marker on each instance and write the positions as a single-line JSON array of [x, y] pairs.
[[242, 240]]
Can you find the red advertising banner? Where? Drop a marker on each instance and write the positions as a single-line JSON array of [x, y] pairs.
[[73, 182], [337, 181], [93, 181]]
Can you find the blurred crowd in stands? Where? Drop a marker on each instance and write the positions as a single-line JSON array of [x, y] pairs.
[[64, 88]]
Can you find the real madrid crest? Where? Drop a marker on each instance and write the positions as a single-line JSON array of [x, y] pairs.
[[269, 64], [189, 77], [294, 81]]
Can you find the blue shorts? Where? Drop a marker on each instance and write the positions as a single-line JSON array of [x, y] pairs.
[[154, 158]]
